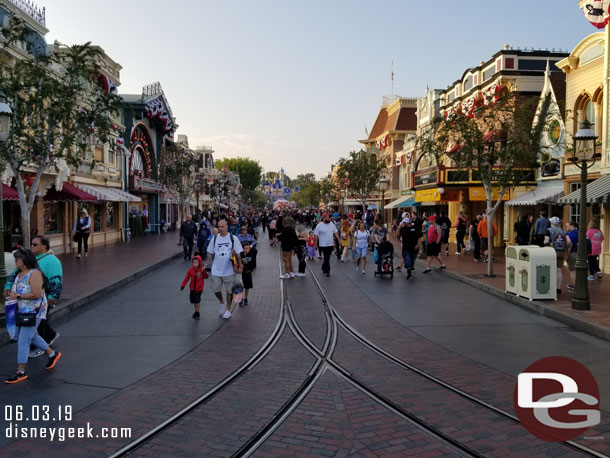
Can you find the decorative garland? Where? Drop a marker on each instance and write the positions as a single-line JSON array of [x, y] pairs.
[[139, 136], [156, 109]]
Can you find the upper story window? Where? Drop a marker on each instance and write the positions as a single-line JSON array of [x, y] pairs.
[[489, 73], [469, 83]]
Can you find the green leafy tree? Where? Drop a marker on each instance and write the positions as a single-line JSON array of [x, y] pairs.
[[498, 142], [329, 191], [179, 174], [303, 180], [249, 170], [359, 174], [59, 112], [309, 195]]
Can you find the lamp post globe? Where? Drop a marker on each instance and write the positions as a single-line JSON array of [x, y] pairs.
[[583, 156]]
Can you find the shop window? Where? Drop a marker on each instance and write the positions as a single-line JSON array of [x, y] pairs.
[[111, 221], [98, 212], [99, 154], [53, 217], [111, 156], [590, 112]]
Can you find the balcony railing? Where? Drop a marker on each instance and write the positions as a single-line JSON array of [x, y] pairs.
[[28, 7]]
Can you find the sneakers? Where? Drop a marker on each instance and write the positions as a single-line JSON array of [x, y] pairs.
[[77, 257], [571, 288], [196, 315], [398, 269], [18, 377], [53, 360], [85, 254], [222, 309], [591, 277], [357, 268], [427, 271], [363, 271], [599, 275], [299, 274], [245, 302], [292, 275], [409, 275], [35, 353], [443, 267], [477, 260], [285, 276], [226, 315]]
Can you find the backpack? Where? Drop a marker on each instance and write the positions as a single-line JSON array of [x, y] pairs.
[[432, 234], [558, 239]]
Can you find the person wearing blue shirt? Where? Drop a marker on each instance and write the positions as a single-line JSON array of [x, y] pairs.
[[244, 236], [571, 248]]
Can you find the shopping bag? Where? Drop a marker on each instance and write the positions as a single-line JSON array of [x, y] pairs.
[[469, 245], [10, 309]]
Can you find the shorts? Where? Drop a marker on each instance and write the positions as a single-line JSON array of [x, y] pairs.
[[561, 257], [246, 279], [572, 261], [361, 252], [196, 297], [409, 256], [228, 282], [445, 237], [433, 249], [484, 244]]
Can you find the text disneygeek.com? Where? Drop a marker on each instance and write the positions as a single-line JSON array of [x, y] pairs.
[[18, 417]]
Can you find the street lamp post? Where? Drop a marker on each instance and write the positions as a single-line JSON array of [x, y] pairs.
[[584, 145], [5, 128], [383, 184]]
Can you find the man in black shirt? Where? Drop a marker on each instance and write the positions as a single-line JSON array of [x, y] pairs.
[[410, 237], [475, 238], [188, 230]]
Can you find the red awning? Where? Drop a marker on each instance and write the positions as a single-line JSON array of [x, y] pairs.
[[69, 193], [9, 193]]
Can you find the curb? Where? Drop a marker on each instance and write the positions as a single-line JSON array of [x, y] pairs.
[[537, 307], [63, 310]]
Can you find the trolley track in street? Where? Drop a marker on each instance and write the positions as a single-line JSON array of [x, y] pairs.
[[340, 321]]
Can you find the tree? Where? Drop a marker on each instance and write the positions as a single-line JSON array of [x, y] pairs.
[[498, 142], [359, 174], [304, 179], [178, 174], [59, 112], [254, 198], [329, 191], [308, 195], [249, 170]]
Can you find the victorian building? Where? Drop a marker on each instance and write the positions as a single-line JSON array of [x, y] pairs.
[[449, 189], [586, 69], [149, 127], [395, 121]]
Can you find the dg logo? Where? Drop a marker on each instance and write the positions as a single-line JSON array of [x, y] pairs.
[[557, 399]]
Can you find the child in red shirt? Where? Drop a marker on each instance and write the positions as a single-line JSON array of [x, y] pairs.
[[195, 275]]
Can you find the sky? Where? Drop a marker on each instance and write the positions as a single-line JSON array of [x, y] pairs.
[[294, 83]]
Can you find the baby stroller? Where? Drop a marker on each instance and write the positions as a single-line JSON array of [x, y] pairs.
[[385, 259]]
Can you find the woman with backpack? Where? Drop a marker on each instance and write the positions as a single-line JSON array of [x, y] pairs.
[[556, 237], [596, 236], [433, 247]]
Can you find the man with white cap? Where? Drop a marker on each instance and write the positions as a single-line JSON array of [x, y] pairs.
[[556, 237], [410, 237]]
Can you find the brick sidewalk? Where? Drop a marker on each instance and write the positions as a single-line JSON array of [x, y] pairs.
[[595, 321], [107, 268]]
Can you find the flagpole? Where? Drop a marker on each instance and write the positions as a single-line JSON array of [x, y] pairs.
[[392, 78]]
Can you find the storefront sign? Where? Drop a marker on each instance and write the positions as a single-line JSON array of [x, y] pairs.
[[572, 169], [478, 194], [425, 178], [406, 193], [427, 195], [144, 184]]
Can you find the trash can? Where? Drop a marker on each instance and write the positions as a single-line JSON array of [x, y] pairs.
[[537, 273], [512, 261]]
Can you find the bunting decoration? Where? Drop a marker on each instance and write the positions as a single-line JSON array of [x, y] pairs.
[[156, 109], [107, 85], [409, 157], [597, 12], [383, 143], [399, 160]]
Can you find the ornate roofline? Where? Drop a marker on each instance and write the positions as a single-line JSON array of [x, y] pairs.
[[33, 11]]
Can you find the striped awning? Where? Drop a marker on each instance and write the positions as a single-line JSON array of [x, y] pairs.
[[598, 191], [397, 202], [106, 194], [550, 194]]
